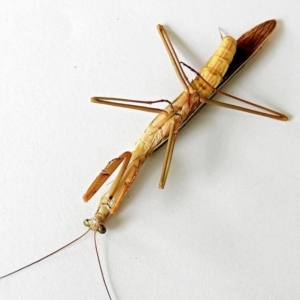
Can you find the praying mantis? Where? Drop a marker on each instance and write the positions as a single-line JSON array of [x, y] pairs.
[[224, 64], [167, 124]]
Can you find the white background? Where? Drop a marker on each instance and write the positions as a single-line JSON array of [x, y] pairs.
[[227, 224]]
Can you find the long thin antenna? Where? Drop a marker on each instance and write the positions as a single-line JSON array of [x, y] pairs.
[[52, 253], [99, 263]]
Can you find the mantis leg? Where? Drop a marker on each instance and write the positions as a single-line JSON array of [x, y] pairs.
[[174, 58], [175, 124], [121, 184], [124, 184], [268, 112], [106, 173], [121, 102]]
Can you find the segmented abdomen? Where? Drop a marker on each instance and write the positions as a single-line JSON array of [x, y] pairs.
[[216, 67], [185, 104]]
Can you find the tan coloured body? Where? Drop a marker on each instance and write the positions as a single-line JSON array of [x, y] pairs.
[[166, 125], [159, 129]]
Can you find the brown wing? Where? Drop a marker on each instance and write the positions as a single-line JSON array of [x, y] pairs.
[[247, 45]]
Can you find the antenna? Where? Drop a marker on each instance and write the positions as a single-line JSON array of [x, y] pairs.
[[56, 251]]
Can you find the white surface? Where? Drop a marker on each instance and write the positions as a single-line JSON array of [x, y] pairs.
[[227, 224]]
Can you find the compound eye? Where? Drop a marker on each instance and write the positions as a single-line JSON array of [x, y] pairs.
[[101, 229], [86, 222]]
